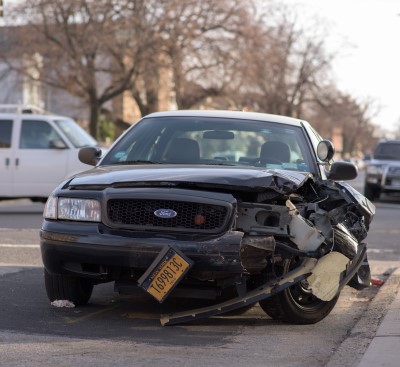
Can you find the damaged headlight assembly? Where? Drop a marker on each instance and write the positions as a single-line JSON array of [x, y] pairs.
[[84, 210]]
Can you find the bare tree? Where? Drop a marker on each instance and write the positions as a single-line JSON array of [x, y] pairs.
[[98, 49], [286, 70], [200, 40], [335, 109], [248, 55], [92, 49], [282, 65]]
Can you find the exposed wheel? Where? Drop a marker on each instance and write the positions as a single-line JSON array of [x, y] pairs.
[[63, 287], [296, 304], [370, 192]]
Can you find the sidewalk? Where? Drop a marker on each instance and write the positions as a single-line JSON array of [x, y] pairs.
[[384, 349]]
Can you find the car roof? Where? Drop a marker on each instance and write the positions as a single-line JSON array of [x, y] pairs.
[[31, 116], [26, 111], [389, 142], [229, 114]]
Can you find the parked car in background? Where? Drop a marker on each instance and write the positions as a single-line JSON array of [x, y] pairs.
[[37, 151], [237, 206], [356, 160], [382, 172]]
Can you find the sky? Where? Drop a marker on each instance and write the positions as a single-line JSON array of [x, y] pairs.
[[366, 36]]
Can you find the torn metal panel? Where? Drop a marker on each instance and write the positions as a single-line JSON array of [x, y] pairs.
[[255, 252], [321, 220], [342, 198], [365, 206], [344, 241], [325, 278], [263, 218], [303, 233], [359, 264]]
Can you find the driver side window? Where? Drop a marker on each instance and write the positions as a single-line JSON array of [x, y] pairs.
[[37, 135]]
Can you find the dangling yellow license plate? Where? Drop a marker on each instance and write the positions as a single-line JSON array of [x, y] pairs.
[[166, 271]]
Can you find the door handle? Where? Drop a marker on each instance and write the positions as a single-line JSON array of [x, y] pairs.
[[17, 162], [7, 162]]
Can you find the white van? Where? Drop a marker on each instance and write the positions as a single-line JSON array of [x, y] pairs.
[[37, 151]]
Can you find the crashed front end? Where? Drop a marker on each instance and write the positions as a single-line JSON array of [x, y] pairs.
[[320, 224], [233, 234]]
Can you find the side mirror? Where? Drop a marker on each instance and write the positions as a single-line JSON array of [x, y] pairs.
[[57, 144], [325, 150], [89, 155], [342, 171]]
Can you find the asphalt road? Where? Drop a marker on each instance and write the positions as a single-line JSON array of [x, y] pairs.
[[125, 330], [122, 331], [20, 214]]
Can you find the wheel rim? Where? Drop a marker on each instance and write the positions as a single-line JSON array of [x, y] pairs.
[[302, 297]]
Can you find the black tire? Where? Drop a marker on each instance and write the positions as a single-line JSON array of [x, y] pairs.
[[63, 287], [370, 192], [296, 304]]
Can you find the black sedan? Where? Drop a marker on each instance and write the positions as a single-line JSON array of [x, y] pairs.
[[237, 206]]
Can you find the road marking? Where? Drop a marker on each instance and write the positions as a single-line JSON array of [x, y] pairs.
[[9, 270], [143, 316], [70, 320], [18, 245], [378, 250], [387, 231]]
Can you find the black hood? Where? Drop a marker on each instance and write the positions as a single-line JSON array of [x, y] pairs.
[[282, 181]]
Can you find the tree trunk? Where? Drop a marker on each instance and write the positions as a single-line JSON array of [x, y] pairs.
[[94, 116]]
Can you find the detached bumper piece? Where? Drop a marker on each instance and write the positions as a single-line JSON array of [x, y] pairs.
[[302, 272], [262, 292]]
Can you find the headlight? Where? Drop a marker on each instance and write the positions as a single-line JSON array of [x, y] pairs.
[[50, 209], [87, 210], [374, 170]]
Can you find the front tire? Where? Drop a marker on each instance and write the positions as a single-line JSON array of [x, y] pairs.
[[63, 287], [296, 304]]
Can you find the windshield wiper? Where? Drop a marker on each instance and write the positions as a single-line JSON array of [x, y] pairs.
[[220, 164], [137, 162]]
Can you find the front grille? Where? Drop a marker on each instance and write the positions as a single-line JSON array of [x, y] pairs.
[[139, 213]]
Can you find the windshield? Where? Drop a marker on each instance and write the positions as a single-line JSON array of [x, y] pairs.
[[389, 151], [213, 141], [78, 137]]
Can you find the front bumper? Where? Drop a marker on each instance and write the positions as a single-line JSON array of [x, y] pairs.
[[92, 252], [388, 181], [391, 180]]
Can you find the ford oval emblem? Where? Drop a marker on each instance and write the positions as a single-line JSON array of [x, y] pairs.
[[165, 213]]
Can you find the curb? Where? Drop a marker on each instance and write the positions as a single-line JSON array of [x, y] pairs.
[[384, 349], [359, 348]]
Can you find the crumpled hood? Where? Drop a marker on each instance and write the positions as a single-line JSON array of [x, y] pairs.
[[282, 181]]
